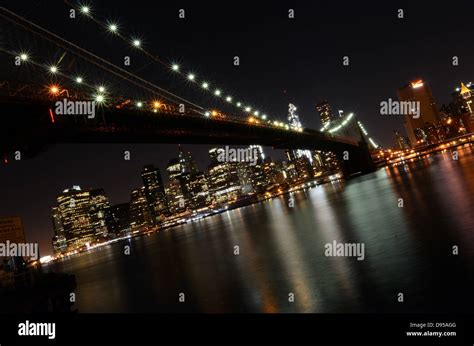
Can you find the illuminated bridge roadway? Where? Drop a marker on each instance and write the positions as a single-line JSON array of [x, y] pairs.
[[30, 126]]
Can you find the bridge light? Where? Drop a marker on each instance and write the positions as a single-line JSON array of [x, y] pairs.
[[79, 80], [255, 113], [248, 109], [85, 9], [54, 90], [175, 67], [228, 99], [191, 76], [24, 56], [113, 27], [101, 88], [207, 114], [99, 98], [155, 111], [139, 104], [53, 69], [136, 43], [156, 104], [264, 117], [239, 104], [205, 85], [217, 92]]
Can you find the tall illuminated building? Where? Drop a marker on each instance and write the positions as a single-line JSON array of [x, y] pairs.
[[59, 239], [223, 179], [181, 169], [154, 191], [186, 162], [418, 91], [119, 219], [295, 125], [79, 219], [140, 214], [325, 112], [99, 212], [175, 196], [198, 189]]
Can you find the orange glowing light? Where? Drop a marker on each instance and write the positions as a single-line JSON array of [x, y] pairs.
[[54, 90], [417, 84], [213, 113], [156, 104]]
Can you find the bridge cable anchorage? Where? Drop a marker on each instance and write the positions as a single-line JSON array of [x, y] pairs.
[[114, 29], [83, 53]]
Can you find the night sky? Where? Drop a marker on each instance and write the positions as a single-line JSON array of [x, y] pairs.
[[281, 60]]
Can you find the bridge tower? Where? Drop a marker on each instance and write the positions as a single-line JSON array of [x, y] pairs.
[[295, 124]]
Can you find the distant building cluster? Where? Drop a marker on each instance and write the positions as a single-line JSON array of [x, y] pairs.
[[435, 125], [82, 218]]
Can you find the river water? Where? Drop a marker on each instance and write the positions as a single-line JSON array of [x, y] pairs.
[[408, 250]]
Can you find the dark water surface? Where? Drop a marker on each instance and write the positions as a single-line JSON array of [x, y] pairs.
[[407, 250]]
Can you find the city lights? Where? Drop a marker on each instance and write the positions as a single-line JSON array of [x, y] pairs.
[[139, 104], [53, 69], [79, 80], [24, 56], [191, 76], [205, 85], [100, 98], [85, 9], [175, 67], [228, 99], [136, 43], [217, 92], [113, 27]]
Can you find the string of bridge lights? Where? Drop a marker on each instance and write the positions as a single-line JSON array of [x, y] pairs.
[[100, 96], [54, 89], [344, 123], [98, 61], [136, 42]]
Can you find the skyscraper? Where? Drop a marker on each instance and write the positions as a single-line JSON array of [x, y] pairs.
[[79, 218], [295, 125], [99, 212], [325, 113], [154, 191], [140, 215], [223, 179], [420, 92], [119, 219], [59, 239]]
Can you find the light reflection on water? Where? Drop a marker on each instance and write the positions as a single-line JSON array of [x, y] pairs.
[[407, 250]]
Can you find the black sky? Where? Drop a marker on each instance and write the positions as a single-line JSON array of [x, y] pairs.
[[281, 60]]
